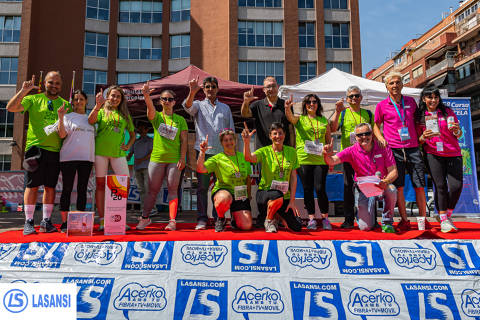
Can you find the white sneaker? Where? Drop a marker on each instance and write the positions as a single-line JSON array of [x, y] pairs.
[[270, 226], [201, 225], [446, 226], [171, 226], [143, 223]]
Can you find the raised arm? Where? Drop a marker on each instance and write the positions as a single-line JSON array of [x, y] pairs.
[[289, 112], [339, 107], [246, 136], [201, 156], [148, 101], [194, 87], [15, 104], [329, 157], [62, 133], [99, 101], [248, 97]]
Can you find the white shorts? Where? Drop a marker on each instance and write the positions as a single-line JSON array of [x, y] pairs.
[[119, 166]]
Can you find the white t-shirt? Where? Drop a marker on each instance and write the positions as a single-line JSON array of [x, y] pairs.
[[79, 145]]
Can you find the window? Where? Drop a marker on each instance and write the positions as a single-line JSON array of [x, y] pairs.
[[96, 44], [180, 10], [140, 48], [260, 3], [406, 78], [254, 72], [91, 78], [180, 46], [308, 70], [306, 34], [6, 121], [465, 70], [417, 72], [260, 34], [145, 11], [342, 66], [337, 35], [11, 0], [8, 70], [98, 9], [5, 162], [127, 77], [10, 28], [335, 4], [306, 4]]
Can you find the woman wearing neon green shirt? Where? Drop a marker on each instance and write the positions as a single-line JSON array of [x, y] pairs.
[[113, 118], [167, 159], [232, 188], [312, 133], [276, 191]]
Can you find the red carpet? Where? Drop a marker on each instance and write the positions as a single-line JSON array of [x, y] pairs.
[[185, 232]]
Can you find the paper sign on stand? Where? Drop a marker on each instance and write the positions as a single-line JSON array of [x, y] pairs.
[[80, 223], [116, 194]]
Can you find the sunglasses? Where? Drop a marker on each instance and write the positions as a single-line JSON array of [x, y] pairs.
[[50, 105], [270, 87], [364, 134], [210, 87], [165, 99], [312, 102], [357, 95]]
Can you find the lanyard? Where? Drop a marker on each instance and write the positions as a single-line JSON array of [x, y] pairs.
[[316, 133], [402, 118], [165, 120], [116, 123], [233, 165], [353, 116], [283, 158]]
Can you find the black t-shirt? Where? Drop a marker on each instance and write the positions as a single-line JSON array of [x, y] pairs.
[[264, 116]]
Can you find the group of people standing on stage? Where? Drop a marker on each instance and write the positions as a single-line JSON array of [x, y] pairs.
[[366, 151]]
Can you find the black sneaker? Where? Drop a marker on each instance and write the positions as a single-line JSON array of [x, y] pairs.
[[47, 226], [28, 228], [347, 224], [63, 227], [220, 225]]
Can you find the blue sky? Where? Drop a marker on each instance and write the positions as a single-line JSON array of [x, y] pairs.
[[386, 25]]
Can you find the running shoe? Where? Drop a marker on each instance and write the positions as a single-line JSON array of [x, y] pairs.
[[437, 217], [312, 224], [47, 226], [201, 225], [171, 226], [451, 222], [403, 225], [347, 224], [326, 224], [29, 228], [220, 225], [388, 228], [270, 226], [63, 227], [447, 227], [143, 223]]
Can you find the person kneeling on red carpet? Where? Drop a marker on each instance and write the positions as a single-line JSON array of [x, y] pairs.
[[368, 159]]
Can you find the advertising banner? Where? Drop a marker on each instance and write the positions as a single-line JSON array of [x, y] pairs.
[[255, 279], [469, 201]]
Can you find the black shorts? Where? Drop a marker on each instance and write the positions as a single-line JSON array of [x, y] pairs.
[[47, 172], [263, 196], [409, 159], [237, 205]]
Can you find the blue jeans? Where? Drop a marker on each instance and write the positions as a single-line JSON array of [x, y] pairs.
[[367, 212], [202, 194]]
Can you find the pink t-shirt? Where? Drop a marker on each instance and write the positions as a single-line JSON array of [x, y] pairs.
[[368, 163], [451, 148], [386, 113]]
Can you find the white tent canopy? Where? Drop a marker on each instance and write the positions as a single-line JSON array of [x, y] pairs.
[[331, 86]]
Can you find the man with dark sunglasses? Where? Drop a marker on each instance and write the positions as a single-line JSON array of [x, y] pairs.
[[368, 159], [346, 119], [211, 117], [43, 143]]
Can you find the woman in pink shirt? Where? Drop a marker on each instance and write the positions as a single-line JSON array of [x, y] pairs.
[[438, 131]]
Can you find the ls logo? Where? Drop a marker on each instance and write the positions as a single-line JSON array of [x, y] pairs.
[[15, 300], [40, 255], [430, 301], [93, 296], [360, 257], [201, 300], [148, 256], [316, 301], [459, 258], [255, 256]]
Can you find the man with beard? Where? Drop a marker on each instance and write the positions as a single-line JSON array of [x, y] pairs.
[[42, 146]]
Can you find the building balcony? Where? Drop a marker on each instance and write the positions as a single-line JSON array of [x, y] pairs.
[[466, 55], [443, 65], [467, 28], [468, 82]]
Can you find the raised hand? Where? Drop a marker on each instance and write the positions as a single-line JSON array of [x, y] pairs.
[[246, 133], [146, 89], [193, 84], [100, 99], [29, 85], [204, 145], [248, 96], [61, 111], [328, 149], [289, 102], [339, 107]]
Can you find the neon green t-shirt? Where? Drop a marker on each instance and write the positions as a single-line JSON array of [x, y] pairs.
[[271, 166], [40, 116], [164, 149], [225, 167], [350, 121], [111, 133], [305, 131]]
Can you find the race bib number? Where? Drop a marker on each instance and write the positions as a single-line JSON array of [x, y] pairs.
[[313, 147], [241, 192], [51, 128], [169, 132], [404, 134], [280, 186]]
